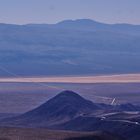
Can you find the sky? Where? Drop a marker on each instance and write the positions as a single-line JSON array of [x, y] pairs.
[[53, 11]]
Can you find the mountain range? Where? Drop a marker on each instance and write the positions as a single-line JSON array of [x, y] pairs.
[[71, 47], [70, 111]]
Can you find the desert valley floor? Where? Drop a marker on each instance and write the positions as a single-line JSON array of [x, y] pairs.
[[23, 94]]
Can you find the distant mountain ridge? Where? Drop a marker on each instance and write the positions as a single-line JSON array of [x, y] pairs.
[[71, 47], [91, 25], [85, 22]]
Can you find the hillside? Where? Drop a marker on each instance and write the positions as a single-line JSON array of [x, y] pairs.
[[70, 111], [62, 108], [69, 48]]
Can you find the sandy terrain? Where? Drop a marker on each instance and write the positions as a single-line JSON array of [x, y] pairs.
[[44, 134]]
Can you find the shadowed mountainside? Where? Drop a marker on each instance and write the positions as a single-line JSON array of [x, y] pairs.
[[69, 111], [62, 108]]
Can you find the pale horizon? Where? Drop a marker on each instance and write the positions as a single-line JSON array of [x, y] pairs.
[[69, 19], [53, 11]]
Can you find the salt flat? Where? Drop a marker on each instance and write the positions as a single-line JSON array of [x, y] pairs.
[[120, 78]]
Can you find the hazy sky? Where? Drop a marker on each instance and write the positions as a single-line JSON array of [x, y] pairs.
[[52, 11]]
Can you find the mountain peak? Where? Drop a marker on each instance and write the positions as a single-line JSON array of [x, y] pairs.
[[65, 106], [79, 22], [68, 94]]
